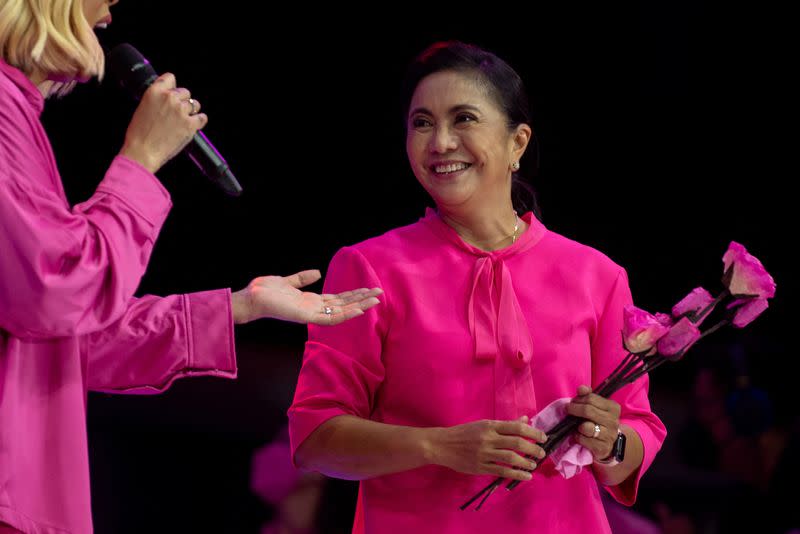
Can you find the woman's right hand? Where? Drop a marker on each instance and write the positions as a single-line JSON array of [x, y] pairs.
[[490, 448], [163, 124]]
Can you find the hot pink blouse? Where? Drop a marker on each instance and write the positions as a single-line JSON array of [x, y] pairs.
[[462, 335]]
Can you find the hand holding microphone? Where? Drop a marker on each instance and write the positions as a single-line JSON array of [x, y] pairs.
[[163, 124], [166, 121]]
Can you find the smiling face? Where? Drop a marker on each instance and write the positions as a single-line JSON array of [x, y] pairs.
[[459, 142]]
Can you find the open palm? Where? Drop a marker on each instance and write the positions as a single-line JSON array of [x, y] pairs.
[[280, 297]]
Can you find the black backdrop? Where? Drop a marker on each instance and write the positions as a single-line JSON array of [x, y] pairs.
[[662, 128]]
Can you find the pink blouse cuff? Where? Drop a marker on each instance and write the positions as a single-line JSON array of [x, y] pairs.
[[626, 492], [211, 341]]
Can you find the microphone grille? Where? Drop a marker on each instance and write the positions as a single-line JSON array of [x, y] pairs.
[[130, 69]]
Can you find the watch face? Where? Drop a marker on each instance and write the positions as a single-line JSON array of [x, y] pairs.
[[619, 447]]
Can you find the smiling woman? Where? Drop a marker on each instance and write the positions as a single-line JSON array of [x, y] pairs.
[[463, 151], [489, 318]]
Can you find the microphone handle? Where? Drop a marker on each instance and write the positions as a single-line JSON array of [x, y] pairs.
[[213, 165]]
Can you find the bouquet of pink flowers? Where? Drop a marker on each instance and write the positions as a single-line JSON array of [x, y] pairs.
[[652, 340]]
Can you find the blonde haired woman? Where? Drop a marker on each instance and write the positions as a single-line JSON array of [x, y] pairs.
[[68, 318]]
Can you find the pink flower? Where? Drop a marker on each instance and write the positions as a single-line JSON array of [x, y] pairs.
[[680, 337], [744, 274], [665, 319], [641, 330], [693, 304], [748, 311], [569, 457]]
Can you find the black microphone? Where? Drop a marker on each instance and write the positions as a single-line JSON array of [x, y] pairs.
[[135, 74]]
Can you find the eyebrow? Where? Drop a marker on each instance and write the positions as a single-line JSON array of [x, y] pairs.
[[451, 111]]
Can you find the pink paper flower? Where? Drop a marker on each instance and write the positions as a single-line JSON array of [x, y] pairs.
[[570, 457], [653, 340], [665, 319], [641, 330], [680, 337], [692, 304], [745, 275], [747, 312]]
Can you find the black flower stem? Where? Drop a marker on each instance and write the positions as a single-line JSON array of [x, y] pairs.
[[711, 305], [630, 369], [621, 377], [714, 328]]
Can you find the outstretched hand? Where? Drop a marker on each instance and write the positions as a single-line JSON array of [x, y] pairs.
[[280, 297]]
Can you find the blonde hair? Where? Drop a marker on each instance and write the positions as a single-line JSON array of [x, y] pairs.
[[51, 37]]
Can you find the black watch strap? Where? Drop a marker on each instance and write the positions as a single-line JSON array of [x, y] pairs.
[[617, 451]]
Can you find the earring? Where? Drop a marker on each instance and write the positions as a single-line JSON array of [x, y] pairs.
[[515, 166]]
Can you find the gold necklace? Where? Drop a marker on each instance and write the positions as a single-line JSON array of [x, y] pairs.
[[513, 236], [516, 228]]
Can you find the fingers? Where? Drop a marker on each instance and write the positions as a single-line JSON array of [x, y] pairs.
[[166, 81], [595, 408], [349, 297], [594, 414], [598, 411], [366, 304], [180, 98], [513, 459], [590, 430], [340, 315], [164, 122], [303, 278], [200, 121], [337, 317], [600, 447], [585, 396], [518, 428], [343, 306], [194, 105], [508, 472], [601, 442], [181, 94], [522, 445], [333, 315]]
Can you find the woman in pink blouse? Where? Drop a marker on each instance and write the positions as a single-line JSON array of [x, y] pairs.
[[68, 319], [488, 317]]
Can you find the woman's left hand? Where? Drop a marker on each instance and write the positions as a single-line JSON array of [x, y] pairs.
[[280, 297], [599, 411]]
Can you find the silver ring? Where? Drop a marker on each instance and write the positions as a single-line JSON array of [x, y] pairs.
[[193, 103], [596, 430], [327, 310]]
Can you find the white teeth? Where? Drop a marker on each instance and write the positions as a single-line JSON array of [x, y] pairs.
[[452, 167], [101, 26]]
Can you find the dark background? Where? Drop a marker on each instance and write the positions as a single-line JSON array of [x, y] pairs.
[[663, 131]]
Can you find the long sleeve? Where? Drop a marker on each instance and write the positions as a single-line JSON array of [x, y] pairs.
[[159, 340], [342, 367], [68, 318], [607, 352], [69, 272]]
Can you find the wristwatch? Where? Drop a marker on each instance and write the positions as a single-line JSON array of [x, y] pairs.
[[617, 452]]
